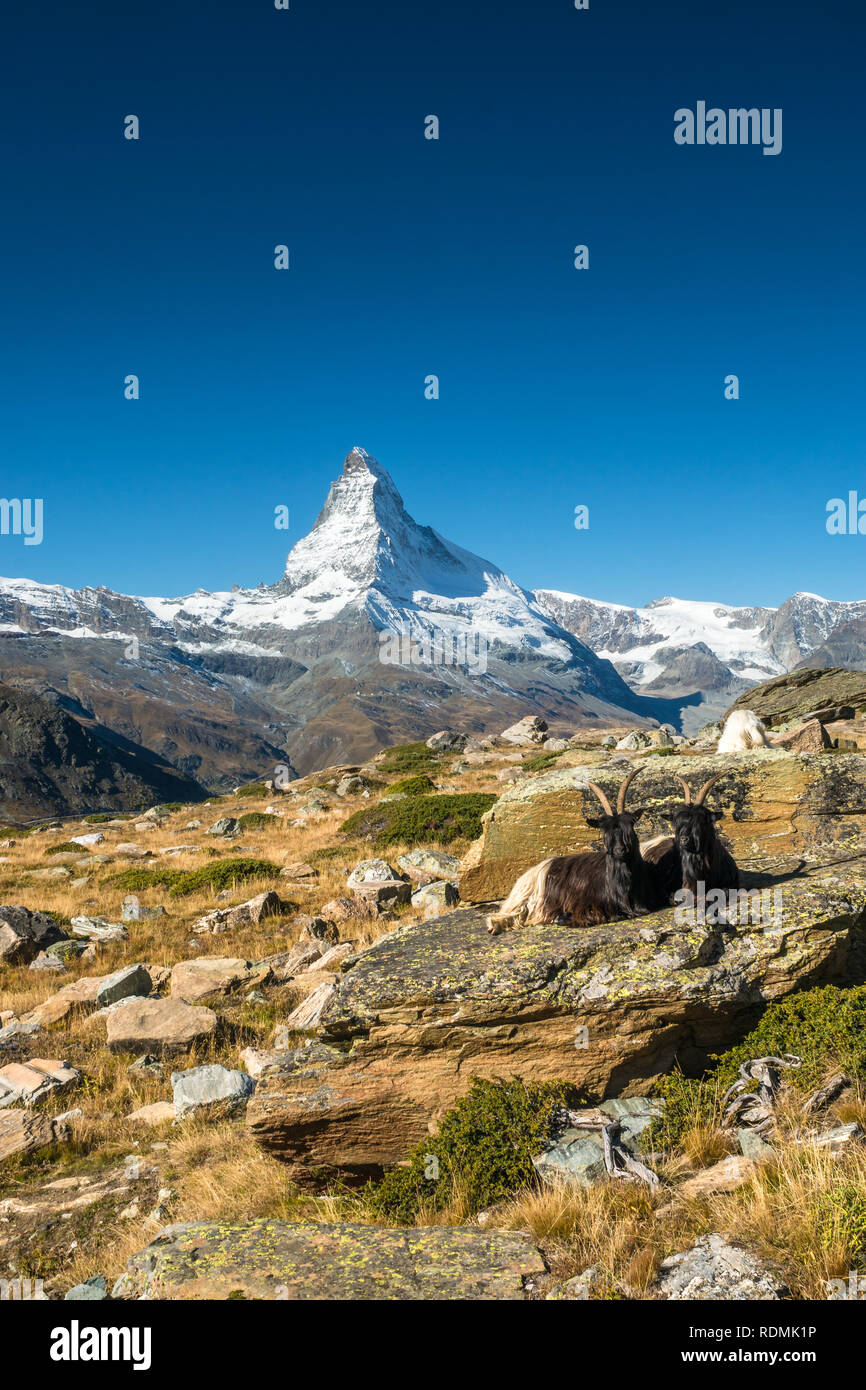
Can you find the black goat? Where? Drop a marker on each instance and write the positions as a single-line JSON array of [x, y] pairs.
[[587, 889], [694, 854]]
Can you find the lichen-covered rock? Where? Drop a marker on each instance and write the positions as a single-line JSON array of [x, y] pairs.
[[611, 1008], [714, 1270], [334, 1262], [775, 802]]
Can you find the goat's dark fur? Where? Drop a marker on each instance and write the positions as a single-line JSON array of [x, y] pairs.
[[587, 889], [694, 854]]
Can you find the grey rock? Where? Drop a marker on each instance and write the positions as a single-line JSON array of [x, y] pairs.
[[131, 910], [133, 981], [445, 741], [213, 1088], [435, 898], [715, 1270], [226, 827], [91, 1291]]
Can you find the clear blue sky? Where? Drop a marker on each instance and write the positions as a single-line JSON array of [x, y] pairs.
[[454, 257]]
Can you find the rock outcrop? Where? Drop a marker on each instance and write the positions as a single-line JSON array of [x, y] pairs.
[[340, 1262], [775, 802], [610, 1009], [834, 693]]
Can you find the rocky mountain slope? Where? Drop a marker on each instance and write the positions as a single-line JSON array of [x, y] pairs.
[[674, 647], [51, 764], [379, 630]]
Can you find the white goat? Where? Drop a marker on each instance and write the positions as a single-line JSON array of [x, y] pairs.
[[743, 730]]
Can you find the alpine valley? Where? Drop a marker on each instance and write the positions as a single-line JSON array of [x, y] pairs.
[[222, 687]]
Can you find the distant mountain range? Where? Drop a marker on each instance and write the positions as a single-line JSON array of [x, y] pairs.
[[382, 631]]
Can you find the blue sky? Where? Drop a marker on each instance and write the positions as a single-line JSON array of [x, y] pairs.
[[411, 257]]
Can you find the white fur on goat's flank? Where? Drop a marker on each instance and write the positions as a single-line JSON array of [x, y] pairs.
[[525, 900], [743, 730]]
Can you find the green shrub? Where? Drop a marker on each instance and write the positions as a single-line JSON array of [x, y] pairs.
[[541, 762], [99, 817], [408, 757], [842, 1218], [66, 847], [252, 789], [258, 820], [412, 786], [825, 1026], [138, 880], [420, 819], [224, 873], [483, 1150]]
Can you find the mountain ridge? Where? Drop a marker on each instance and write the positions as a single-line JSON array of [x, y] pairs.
[[295, 669]]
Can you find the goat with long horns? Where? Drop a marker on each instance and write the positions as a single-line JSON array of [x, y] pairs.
[[589, 888], [694, 854]]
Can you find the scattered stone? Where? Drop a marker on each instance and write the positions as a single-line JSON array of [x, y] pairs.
[[226, 827], [350, 785], [32, 1081], [446, 742], [22, 1131], [192, 980], [307, 1015], [347, 910], [99, 929], [429, 865], [337, 1262], [725, 1176], [148, 1064], [288, 964], [132, 850], [222, 919], [753, 1146], [213, 1088], [164, 1026], [714, 1270], [384, 894], [636, 739], [130, 982], [78, 997], [436, 898], [299, 872], [95, 837], [317, 929], [526, 731], [131, 910], [91, 1291], [333, 959], [577, 1288], [811, 737], [372, 871], [24, 933]]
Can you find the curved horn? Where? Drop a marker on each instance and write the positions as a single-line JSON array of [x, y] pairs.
[[601, 796], [699, 799], [623, 791], [687, 791]]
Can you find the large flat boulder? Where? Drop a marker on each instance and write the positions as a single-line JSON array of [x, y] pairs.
[[337, 1263], [775, 802], [609, 1008], [164, 1026]]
